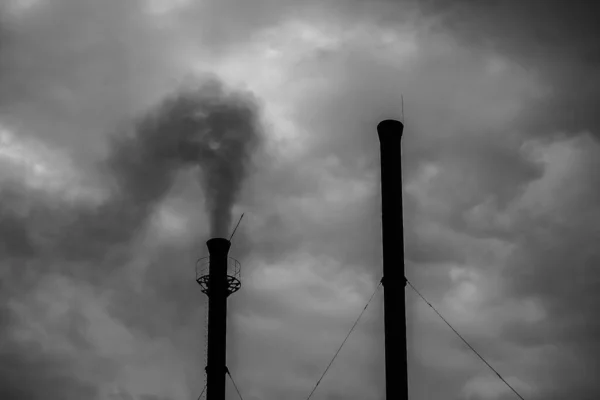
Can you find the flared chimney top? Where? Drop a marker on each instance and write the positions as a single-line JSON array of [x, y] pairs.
[[218, 246], [390, 129]]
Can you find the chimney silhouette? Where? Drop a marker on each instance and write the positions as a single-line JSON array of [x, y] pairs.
[[394, 282], [221, 281]]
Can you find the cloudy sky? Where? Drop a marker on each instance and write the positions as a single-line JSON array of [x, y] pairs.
[[116, 116]]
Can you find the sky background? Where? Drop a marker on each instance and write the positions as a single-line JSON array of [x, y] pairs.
[[104, 208]]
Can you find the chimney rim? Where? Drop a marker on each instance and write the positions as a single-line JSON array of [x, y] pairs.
[[390, 129], [218, 246]]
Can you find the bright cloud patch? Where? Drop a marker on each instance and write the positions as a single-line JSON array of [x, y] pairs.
[[41, 168]]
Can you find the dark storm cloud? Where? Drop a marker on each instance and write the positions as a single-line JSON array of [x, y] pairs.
[[71, 69], [554, 259], [556, 39], [539, 26], [27, 371]]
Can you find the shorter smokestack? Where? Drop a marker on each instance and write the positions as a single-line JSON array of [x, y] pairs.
[[218, 249]]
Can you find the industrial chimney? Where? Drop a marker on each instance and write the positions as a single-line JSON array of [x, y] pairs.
[[218, 276], [394, 282]]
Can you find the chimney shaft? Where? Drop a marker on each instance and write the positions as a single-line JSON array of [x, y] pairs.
[[396, 371], [218, 249]]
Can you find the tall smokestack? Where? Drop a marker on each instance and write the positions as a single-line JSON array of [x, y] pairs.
[[221, 280], [396, 368]]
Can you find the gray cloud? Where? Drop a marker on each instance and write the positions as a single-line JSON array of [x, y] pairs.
[[28, 374], [557, 41], [29, 371], [74, 72]]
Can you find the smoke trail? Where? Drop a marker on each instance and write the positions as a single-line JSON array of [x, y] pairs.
[[207, 126]]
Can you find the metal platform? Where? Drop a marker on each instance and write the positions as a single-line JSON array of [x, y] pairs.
[[233, 275]]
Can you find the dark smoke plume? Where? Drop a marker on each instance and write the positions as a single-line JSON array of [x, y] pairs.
[[207, 127]]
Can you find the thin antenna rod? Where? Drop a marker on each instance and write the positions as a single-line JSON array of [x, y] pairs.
[[238, 224]]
